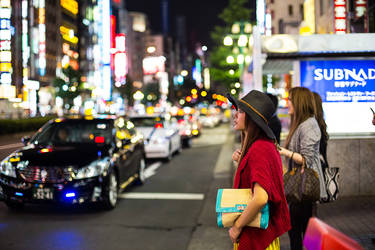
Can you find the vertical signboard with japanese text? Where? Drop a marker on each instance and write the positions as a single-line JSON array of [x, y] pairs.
[[340, 16], [347, 88], [5, 43]]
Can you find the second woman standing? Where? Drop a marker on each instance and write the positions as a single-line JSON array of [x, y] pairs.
[[302, 144]]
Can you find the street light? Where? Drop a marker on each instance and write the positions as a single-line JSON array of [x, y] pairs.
[[228, 41], [241, 33]]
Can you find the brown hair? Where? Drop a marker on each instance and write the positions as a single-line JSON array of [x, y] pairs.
[[303, 103], [319, 116], [249, 135]]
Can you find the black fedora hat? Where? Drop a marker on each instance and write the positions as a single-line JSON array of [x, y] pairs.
[[258, 106]]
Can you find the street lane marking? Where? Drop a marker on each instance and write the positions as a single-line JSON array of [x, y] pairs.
[[151, 170], [162, 196], [14, 145]]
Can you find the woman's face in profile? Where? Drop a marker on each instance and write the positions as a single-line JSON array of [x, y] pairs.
[[239, 120]]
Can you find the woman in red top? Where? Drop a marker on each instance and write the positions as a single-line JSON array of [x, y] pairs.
[[260, 169]]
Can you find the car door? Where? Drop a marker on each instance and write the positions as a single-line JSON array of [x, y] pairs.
[[135, 148], [124, 150]]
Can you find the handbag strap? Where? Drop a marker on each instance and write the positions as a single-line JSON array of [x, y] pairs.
[[303, 164]]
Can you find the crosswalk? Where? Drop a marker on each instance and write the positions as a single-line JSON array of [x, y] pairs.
[[162, 196]]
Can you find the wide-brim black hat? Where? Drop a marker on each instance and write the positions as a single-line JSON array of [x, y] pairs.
[[259, 107]]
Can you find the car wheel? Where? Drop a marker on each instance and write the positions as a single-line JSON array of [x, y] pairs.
[[141, 172], [13, 205], [111, 192]]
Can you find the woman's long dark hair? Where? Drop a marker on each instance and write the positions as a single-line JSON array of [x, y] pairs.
[[319, 116], [249, 135], [303, 103]]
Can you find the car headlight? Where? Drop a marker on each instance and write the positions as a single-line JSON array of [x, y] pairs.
[[95, 168], [7, 168]]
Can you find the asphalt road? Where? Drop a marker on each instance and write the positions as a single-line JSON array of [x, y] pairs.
[[165, 213]]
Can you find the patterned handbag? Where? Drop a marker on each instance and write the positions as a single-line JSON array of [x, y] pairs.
[[331, 180], [301, 185]]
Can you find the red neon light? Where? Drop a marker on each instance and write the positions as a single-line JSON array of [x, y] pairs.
[[99, 139], [113, 39], [158, 125], [113, 31]]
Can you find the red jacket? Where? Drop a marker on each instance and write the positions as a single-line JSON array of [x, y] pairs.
[[262, 165]]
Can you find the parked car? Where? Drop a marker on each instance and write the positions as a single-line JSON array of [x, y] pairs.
[[185, 127], [162, 138], [74, 161]]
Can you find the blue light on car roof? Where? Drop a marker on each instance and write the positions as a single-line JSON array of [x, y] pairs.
[[70, 195], [19, 194]]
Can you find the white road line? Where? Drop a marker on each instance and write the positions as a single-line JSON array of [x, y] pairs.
[[151, 170], [163, 196], [14, 145]]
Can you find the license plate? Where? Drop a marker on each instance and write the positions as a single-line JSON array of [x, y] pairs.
[[43, 194]]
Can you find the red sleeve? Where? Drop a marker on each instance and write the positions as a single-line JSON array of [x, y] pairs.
[[260, 168]]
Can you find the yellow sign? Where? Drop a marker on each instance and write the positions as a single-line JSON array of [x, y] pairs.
[[70, 5], [5, 67], [309, 13]]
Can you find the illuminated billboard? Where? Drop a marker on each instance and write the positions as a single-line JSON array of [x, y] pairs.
[[153, 65], [120, 59], [347, 88]]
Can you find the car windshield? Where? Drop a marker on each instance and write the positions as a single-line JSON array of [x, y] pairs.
[[72, 132], [147, 121]]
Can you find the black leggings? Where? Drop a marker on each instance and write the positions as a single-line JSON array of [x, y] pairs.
[[300, 214]]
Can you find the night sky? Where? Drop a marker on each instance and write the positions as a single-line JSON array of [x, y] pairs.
[[201, 16]]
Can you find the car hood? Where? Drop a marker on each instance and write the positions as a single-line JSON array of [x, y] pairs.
[[150, 133], [77, 155]]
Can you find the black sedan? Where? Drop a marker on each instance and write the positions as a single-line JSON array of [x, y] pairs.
[[74, 161]]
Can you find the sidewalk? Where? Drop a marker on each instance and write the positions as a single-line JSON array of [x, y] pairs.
[[353, 216]]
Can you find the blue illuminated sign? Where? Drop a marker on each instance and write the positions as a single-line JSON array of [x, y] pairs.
[[340, 81]]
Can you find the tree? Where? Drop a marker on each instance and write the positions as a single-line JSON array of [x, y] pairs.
[[69, 86], [151, 92], [234, 12]]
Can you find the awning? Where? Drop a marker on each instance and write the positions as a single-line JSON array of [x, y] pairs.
[[277, 66]]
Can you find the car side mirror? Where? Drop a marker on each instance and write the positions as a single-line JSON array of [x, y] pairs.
[[25, 140]]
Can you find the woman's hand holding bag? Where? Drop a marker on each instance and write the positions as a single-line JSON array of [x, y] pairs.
[[301, 184]]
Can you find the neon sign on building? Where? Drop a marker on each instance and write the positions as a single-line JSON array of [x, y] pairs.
[[70, 5], [5, 43], [25, 38], [104, 35], [42, 38], [120, 59], [340, 16]]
